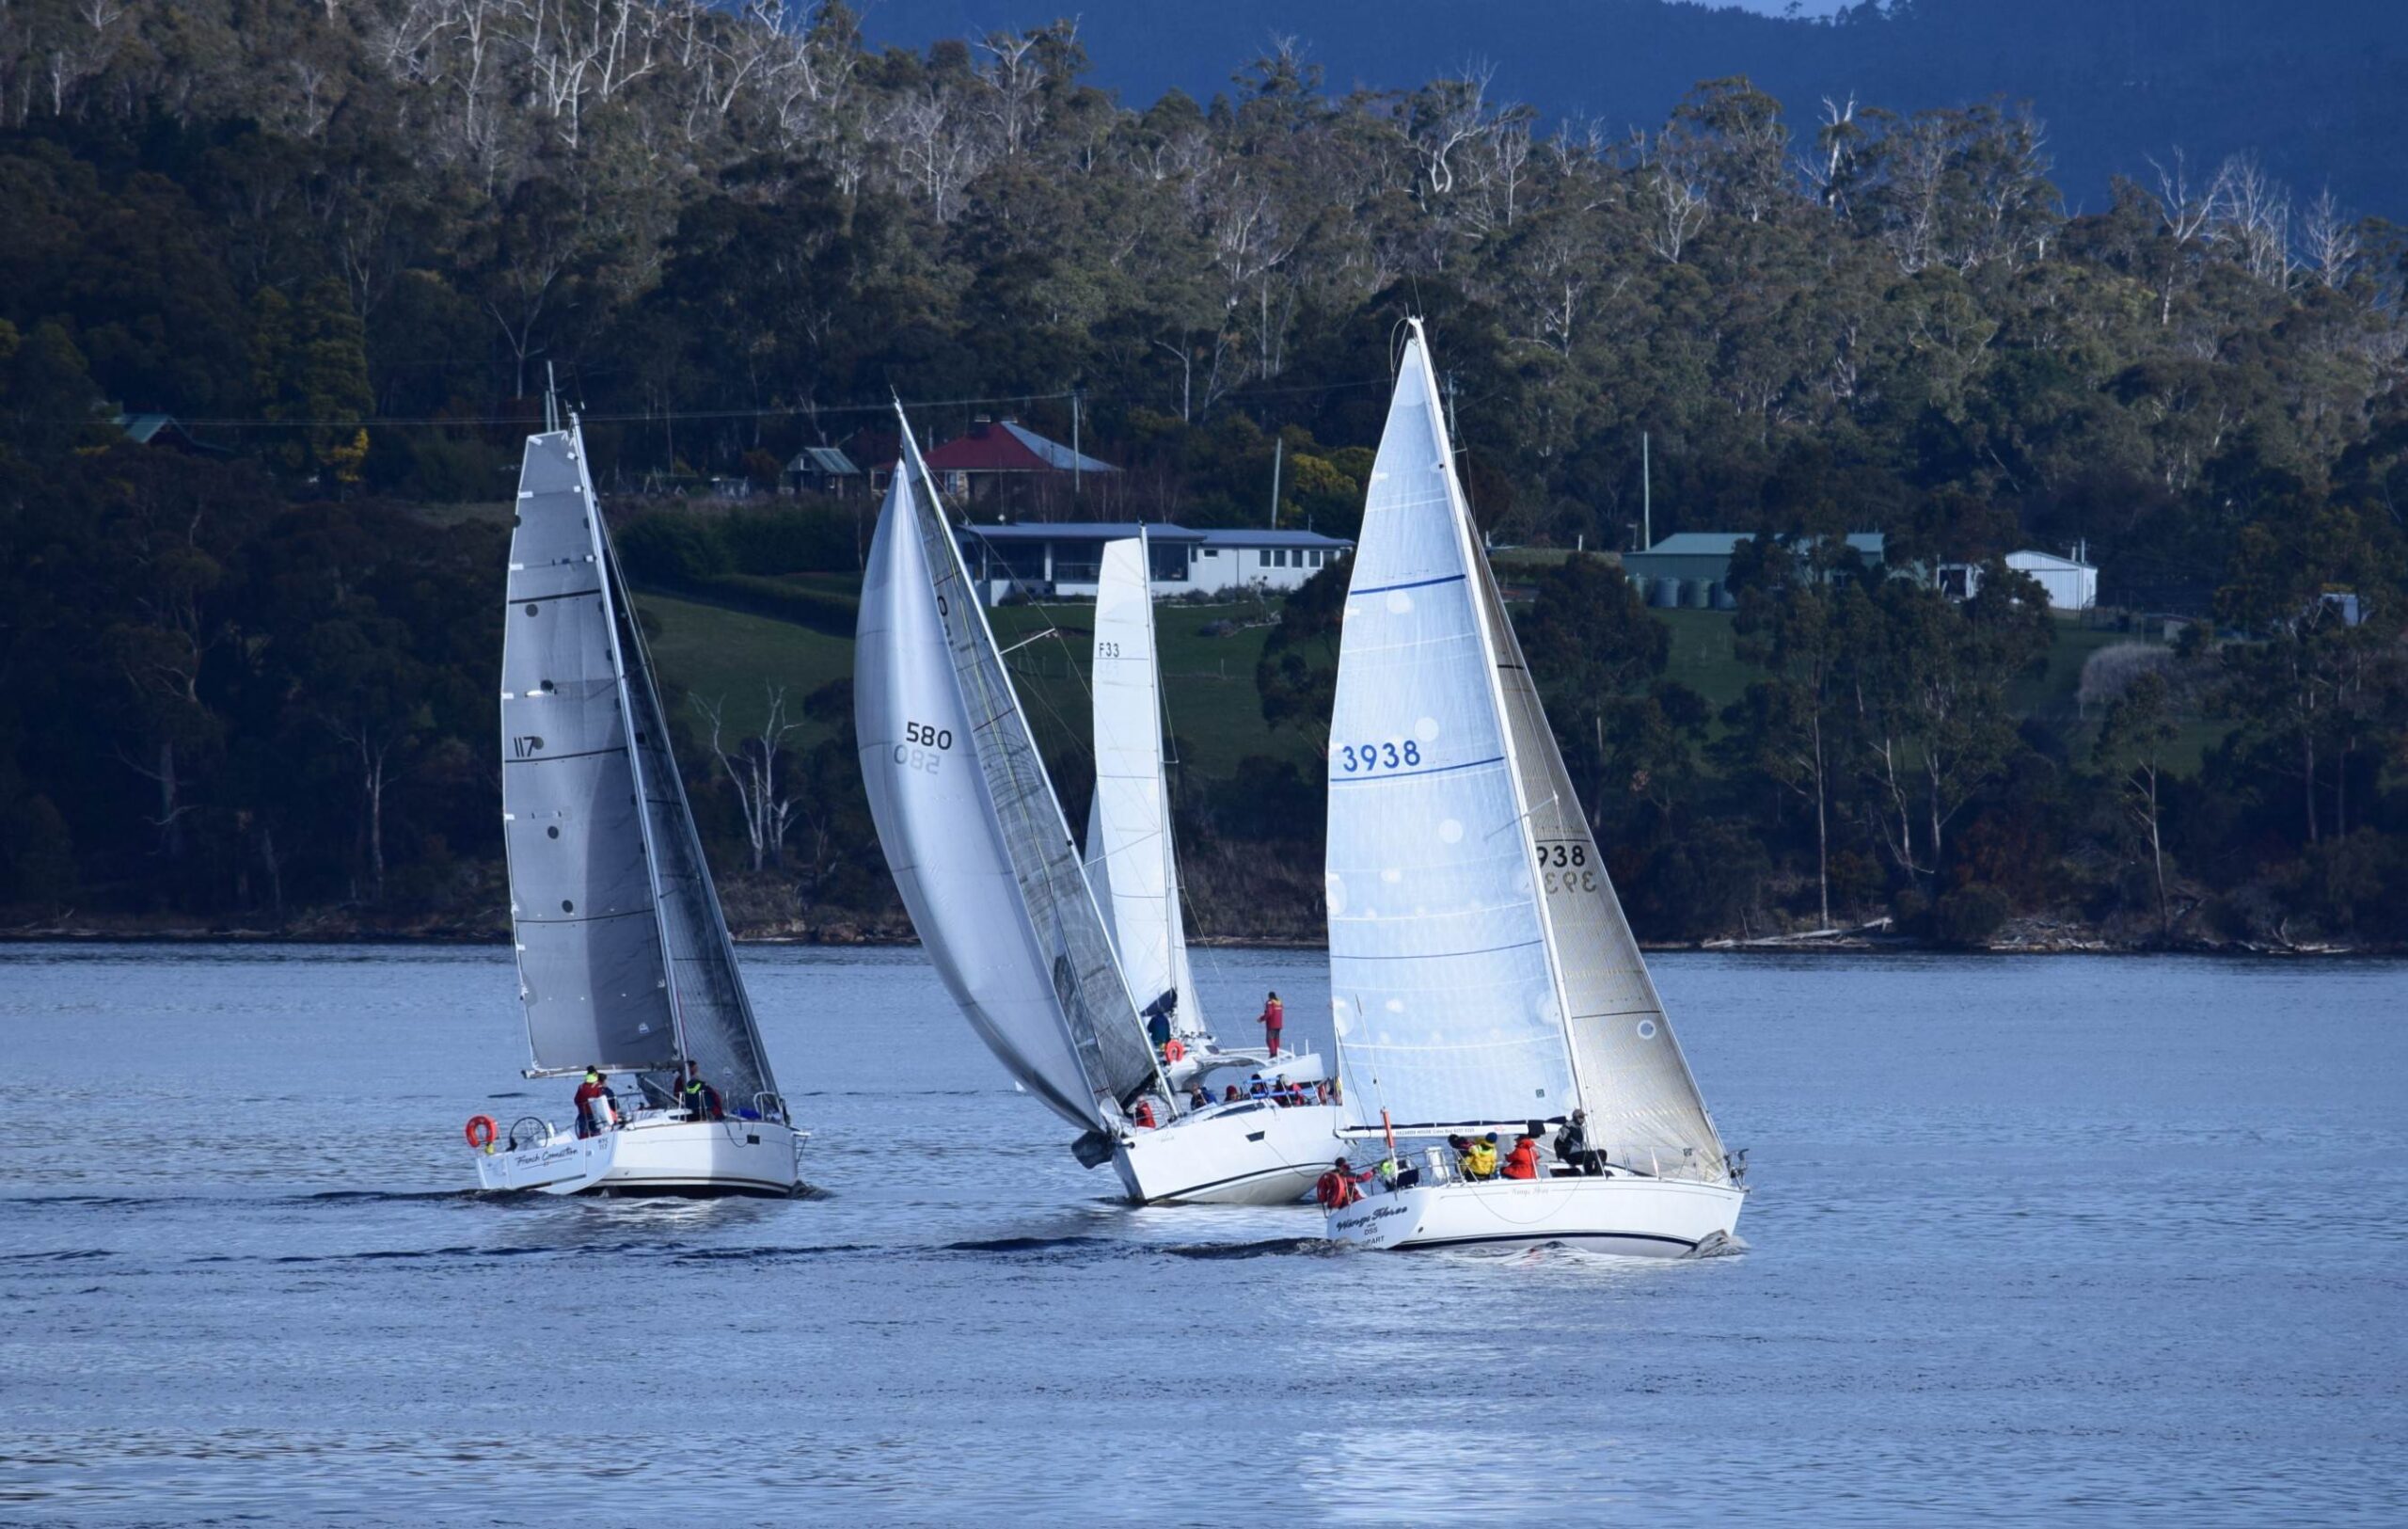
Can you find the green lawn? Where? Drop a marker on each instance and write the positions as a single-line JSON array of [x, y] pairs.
[[726, 655], [1216, 718]]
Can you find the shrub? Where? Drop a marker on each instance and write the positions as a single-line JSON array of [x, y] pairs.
[[1967, 917]]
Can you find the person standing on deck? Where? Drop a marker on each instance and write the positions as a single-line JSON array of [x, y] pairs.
[[587, 1093], [1274, 1019], [701, 1100]]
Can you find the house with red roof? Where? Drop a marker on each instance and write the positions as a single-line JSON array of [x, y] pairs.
[[1003, 464]]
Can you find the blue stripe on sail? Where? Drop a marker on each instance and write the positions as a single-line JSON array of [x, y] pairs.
[[1417, 583], [1407, 774], [1454, 955]]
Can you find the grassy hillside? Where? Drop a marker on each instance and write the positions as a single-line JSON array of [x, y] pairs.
[[1208, 672]]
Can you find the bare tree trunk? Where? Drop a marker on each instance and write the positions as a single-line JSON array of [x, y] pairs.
[[372, 761], [1822, 830]]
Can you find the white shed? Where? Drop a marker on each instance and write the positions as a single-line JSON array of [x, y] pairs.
[[2072, 584]]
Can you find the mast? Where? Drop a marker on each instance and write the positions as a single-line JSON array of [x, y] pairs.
[[626, 727]]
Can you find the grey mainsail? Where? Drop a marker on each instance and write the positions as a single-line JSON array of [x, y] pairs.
[[600, 886]]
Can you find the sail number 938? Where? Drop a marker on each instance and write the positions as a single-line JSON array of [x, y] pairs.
[[923, 746], [1362, 756], [1564, 867]]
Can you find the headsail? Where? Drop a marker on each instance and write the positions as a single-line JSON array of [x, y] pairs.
[[1642, 1101], [970, 826], [1445, 1002], [714, 1012], [1134, 863]]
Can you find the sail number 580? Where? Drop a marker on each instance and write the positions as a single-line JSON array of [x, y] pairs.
[[923, 746]]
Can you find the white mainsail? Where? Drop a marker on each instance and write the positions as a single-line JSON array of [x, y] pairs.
[[971, 827], [1134, 863], [624, 956], [1472, 984]]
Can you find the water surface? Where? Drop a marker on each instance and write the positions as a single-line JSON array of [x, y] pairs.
[[2079, 1236]]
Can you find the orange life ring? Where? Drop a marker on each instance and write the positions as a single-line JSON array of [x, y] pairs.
[[481, 1129]]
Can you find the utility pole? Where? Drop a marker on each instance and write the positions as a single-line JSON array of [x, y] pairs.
[[1279, 449], [1078, 399], [1646, 497]]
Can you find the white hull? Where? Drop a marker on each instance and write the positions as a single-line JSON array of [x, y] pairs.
[[1220, 1069], [1618, 1213], [654, 1157], [1251, 1153]]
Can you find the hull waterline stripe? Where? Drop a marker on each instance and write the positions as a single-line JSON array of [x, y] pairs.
[[1559, 1237]]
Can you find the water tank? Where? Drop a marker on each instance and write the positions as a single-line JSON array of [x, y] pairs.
[[1664, 592], [1723, 598], [1694, 595]]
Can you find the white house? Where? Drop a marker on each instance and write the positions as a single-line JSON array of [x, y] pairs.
[[1061, 559]]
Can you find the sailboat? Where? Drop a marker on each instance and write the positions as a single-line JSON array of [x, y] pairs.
[[984, 861], [1133, 861], [1482, 975], [625, 963]]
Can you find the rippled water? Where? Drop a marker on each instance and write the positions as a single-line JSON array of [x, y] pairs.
[[2114, 1237]]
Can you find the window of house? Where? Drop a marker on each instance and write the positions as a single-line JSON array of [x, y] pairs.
[[1266, 555], [1312, 560]]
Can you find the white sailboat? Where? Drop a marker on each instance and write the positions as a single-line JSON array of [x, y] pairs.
[[984, 861], [1133, 860], [1482, 975], [624, 965]]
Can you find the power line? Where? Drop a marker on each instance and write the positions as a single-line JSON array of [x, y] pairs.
[[674, 416]]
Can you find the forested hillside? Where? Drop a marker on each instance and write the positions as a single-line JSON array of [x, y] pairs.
[[248, 676]]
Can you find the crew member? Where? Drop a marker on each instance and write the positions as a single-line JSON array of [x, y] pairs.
[[1158, 1031], [1522, 1161], [1274, 1019], [1144, 1113], [1572, 1147], [701, 1100], [587, 1093], [1479, 1157], [1340, 1186]]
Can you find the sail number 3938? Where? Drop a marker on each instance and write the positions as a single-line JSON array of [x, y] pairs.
[[1361, 757], [923, 746], [1564, 867]]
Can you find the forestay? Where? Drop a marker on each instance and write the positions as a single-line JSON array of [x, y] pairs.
[[588, 935], [1134, 863], [1445, 1003], [971, 827]]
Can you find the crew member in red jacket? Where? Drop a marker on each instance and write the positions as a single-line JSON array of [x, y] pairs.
[[1274, 1019], [1522, 1161], [1337, 1189], [587, 1091]]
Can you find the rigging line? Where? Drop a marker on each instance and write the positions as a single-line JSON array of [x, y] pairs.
[[673, 416]]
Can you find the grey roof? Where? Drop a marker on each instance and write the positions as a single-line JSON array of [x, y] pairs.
[[827, 459], [2034, 558], [1723, 543], [1073, 530], [141, 427], [1272, 538]]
